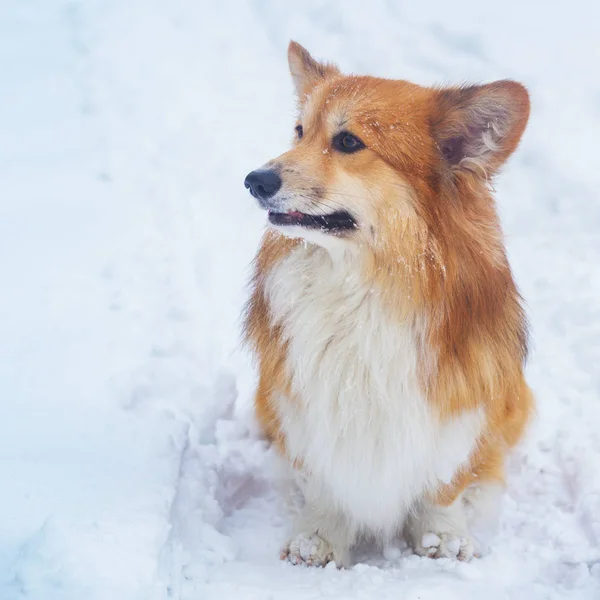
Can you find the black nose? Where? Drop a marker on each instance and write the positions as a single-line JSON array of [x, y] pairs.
[[263, 183]]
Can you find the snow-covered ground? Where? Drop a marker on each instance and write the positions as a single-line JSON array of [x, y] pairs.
[[129, 463]]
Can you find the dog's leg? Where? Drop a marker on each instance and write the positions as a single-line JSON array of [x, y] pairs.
[[440, 531], [321, 535], [442, 524], [319, 538]]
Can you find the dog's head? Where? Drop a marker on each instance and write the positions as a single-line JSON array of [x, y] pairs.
[[373, 156]]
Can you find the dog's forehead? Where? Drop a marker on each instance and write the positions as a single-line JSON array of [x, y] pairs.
[[362, 101], [335, 102]]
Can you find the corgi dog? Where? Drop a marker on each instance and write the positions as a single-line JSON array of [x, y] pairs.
[[389, 333]]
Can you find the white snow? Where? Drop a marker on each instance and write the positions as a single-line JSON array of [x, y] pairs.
[[130, 464]]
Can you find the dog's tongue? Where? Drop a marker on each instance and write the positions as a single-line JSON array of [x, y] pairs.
[[295, 214]]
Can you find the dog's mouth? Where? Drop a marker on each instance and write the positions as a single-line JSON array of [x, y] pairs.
[[336, 222]]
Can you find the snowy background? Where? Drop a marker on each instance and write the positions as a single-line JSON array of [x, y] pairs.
[[129, 463]]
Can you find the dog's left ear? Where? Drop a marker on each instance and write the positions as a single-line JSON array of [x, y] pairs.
[[478, 127], [306, 71]]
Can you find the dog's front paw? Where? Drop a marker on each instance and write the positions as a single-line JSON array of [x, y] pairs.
[[312, 550], [445, 545]]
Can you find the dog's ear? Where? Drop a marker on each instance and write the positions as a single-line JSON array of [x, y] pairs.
[[478, 127], [306, 71]]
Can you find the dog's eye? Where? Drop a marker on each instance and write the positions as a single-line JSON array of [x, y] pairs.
[[346, 142], [299, 131]]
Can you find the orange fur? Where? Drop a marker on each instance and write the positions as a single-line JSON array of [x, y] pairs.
[[433, 247]]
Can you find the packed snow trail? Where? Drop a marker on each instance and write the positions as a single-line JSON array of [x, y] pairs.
[[131, 466]]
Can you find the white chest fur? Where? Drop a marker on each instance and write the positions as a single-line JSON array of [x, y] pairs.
[[369, 442]]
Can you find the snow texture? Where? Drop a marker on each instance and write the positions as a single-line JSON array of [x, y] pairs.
[[130, 465]]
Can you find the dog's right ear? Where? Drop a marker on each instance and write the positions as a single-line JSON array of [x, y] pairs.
[[306, 71], [478, 127]]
